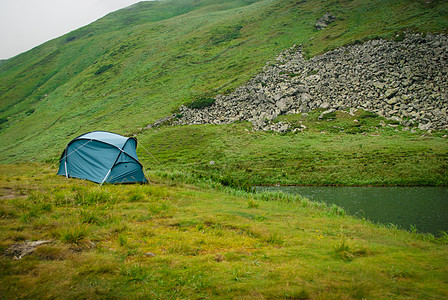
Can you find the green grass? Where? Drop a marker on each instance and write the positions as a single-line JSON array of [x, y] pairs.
[[344, 150], [202, 242], [142, 63]]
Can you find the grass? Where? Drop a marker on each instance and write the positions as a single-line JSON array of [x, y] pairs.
[[363, 149], [74, 235], [202, 240], [143, 63], [190, 234]]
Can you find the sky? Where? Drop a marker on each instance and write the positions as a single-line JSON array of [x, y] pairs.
[[25, 24]]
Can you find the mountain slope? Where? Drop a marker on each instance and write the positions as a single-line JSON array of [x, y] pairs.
[[140, 63]]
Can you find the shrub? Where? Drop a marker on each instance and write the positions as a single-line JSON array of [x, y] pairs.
[[201, 103], [103, 69], [70, 38]]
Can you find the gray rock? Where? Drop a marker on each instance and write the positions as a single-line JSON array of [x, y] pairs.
[[390, 93], [18, 251], [392, 101], [393, 79], [324, 21]]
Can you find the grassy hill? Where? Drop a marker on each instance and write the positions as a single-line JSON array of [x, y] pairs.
[[140, 63]]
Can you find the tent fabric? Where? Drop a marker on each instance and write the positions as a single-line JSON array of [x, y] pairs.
[[102, 156]]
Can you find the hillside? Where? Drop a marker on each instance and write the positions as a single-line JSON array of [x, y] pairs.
[[139, 64]]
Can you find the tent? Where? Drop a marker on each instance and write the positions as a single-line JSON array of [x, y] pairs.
[[101, 156]]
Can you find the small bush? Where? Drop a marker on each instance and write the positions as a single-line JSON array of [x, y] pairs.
[[336, 210], [30, 111], [103, 69], [70, 38], [201, 103]]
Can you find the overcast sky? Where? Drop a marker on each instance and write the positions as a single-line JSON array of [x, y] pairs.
[[25, 24]]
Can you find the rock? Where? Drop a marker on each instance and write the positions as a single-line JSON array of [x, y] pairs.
[[18, 251], [325, 105], [314, 77], [324, 21], [392, 101], [283, 104], [390, 93], [378, 85], [392, 79], [322, 115], [422, 126]]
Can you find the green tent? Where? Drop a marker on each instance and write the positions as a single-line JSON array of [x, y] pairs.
[[101, 156]]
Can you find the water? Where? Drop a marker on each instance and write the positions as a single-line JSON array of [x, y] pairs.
[[425, 208]]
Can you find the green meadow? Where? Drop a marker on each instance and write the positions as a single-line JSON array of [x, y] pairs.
[[184, 238], [197, 231], [359, 150]]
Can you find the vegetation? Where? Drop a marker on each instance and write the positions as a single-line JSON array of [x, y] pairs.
[[201, 103], [169, 239], [141, 63], [190, 233], [363, 149]]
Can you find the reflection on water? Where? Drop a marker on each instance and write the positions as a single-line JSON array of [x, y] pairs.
[[426, 208]]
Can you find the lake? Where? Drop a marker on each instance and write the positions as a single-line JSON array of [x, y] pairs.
[[425, 208]]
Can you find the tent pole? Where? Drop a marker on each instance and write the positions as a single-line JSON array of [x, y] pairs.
[[66, 172], [105, 177]]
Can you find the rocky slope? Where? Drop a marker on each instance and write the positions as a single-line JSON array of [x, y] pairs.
[[404, 79]]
